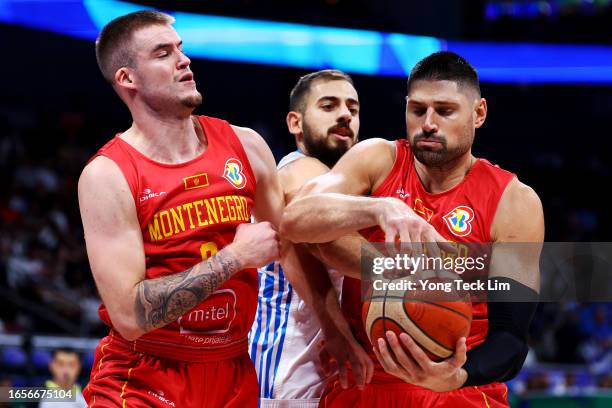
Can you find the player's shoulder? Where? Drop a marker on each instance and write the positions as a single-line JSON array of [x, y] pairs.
[[258, 152], [374, 152], [304, 164], [252, 141], [370, 160], [495, 169], [102, 185], [519, 215], [299, 171], [101, 169], [518, 193], [376, 145]]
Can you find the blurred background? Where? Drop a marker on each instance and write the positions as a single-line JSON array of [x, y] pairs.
[[546, 71]]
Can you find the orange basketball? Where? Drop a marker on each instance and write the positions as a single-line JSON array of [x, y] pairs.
[[434, 320]]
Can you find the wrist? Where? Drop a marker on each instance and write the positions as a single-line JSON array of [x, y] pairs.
[[332, 326], [231, 252], [379, 208]]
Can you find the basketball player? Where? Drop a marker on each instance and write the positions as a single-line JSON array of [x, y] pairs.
[[286, 338], [414, 186], [166, 209]]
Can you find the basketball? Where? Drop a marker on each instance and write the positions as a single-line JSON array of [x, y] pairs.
[[434, 319]]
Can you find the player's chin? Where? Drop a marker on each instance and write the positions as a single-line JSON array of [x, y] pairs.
[[192, 99]]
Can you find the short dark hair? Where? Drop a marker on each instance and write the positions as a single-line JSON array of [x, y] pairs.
[[300, 91], [445, 66], [65, 350], [113, 48]]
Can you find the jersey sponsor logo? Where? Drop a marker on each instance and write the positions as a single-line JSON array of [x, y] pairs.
[[459, 220], [214, 316], [233, 173], [161, 396], [420, 208], [401, 193], [147, 193], [196, 181]]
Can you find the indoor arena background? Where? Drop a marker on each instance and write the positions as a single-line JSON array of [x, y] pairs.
[[549, 123]]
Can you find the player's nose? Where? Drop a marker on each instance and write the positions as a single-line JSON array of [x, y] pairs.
[[429, 125], [344, 114], [183, 61]]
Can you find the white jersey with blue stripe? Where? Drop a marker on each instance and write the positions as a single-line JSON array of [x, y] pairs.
[[285, 340]]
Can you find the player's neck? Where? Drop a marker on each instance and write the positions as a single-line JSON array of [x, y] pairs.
[[438, 179], [166, 139]]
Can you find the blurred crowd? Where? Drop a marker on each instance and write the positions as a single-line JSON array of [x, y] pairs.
[[44, 273]]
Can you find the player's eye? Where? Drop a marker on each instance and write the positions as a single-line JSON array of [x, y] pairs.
[[354, 111], [327, 106], [445, 111]]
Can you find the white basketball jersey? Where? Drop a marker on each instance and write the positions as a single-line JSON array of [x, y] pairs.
[[285, 340]]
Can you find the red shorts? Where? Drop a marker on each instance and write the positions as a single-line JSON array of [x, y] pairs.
[[407, 395], [121, 377]]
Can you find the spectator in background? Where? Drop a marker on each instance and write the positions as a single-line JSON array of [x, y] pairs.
[[599, 347], [65, 368]]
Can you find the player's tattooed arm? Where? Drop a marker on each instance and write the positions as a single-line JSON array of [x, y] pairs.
[[163, 300]]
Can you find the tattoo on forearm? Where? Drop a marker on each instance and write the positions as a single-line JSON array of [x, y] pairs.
[[163, 300]]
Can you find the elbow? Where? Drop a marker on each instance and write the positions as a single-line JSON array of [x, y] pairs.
[[128, 328], [130, 334]]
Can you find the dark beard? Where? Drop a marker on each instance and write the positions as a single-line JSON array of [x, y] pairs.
[[192, 101], [320, 149], [438, 157]]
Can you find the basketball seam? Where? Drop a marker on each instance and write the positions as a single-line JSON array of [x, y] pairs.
[[416, 325], [442, 306]]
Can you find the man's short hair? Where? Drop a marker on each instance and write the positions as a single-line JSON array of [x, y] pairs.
[[65, 350], [445, 66], [297, 97], [113, 47]]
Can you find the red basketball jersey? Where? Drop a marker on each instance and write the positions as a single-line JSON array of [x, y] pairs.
[[462, 214], [187, 212]]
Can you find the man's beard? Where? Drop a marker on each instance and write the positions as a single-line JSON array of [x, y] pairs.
[[440, 156], [192, 101], [169, 103], [321, 149]]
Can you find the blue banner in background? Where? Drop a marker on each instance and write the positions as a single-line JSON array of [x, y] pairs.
[[317, 47]]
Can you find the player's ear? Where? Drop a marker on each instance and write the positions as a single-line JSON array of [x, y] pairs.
[[294, 122], [480, 112], [123, 78]]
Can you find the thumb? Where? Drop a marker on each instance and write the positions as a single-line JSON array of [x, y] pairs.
[[460, 357]]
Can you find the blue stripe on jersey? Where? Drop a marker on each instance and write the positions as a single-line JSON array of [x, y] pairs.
[[255, 332], [283, 331], [266, 287], [277, 320], [267, 336], [267, 295]]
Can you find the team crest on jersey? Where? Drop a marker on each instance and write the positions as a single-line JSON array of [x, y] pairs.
[[233, 173], [459, 221]]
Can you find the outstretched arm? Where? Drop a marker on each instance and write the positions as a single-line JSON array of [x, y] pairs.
[[329, 207]]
